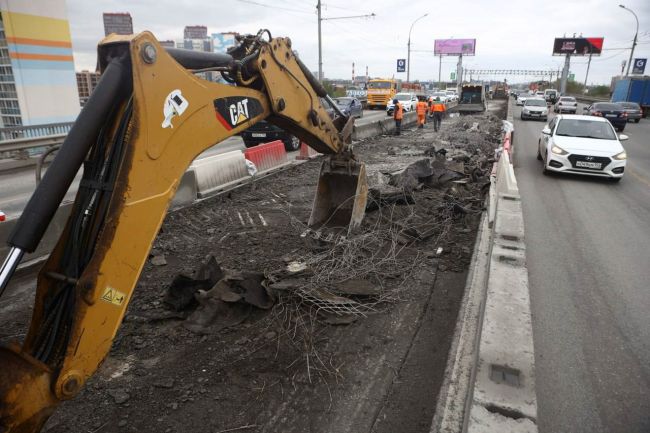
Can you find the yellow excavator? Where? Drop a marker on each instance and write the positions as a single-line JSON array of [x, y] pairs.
[[148, 118]]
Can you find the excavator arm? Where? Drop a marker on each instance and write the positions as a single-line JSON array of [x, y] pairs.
[[148, 118]]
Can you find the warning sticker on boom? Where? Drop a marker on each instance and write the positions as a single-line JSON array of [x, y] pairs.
[[113, 296]]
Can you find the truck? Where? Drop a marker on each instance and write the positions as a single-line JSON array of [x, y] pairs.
[[472, 99], [500, 91], [380, 91], [633, 89]]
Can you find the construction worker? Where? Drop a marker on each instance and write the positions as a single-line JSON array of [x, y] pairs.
[[431, 101], [398, 115], [438, 111], [421, 109]]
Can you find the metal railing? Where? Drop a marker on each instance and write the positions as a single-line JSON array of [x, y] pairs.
[[33, 131]]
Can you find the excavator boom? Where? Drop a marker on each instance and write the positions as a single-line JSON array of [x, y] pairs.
[[148, 118]]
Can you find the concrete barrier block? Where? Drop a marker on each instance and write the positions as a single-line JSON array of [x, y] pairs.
[[187, 190], [268, 155], [505, 378], [215, 171]]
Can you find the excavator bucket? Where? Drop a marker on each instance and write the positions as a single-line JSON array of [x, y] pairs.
[[341, 195]]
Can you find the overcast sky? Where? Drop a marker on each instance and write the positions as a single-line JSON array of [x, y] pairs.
[[510, 34]]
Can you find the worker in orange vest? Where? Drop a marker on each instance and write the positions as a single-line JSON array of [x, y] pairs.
[[398, 115], [439, 110], [431, 101], [421, 109]]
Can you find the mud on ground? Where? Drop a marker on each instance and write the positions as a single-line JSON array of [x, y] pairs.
[[291, 368]]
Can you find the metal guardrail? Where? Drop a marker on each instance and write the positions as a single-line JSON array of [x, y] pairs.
[[34, 131], [31, 143]]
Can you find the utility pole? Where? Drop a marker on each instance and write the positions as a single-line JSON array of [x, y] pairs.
[[320, 38], [320, 44]]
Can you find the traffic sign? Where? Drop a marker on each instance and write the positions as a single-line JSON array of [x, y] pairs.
[[572, 77], [452, 76], [401, 65], [639, 66]]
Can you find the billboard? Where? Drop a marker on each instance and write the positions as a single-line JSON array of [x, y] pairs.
[[401, 65], [454, 47], [578, 46]]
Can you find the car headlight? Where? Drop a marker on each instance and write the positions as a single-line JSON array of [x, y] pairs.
[[558, 150], [620, 156], [545, 112]]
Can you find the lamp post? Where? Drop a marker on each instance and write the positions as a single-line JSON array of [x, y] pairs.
[[408, 62], [636, 34]]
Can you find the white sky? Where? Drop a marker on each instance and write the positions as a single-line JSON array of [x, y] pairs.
[[514, 34]]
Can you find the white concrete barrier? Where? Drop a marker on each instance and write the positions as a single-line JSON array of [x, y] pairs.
[[219, 171], [489, 383]]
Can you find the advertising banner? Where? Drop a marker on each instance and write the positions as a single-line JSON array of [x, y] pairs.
[[578, 46], [454, 47], [638, 67]]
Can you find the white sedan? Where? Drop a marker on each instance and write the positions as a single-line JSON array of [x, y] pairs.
[[521, 99], [582, 145]]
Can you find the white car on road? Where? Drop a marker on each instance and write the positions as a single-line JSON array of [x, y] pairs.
[[566, 104], [582, 145], [408, 101], [534, 108]]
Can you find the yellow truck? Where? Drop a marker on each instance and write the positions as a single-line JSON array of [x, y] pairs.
[[381, 91]]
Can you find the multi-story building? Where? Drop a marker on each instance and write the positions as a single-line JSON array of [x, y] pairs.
[[167, 44], [86, 83], [195, 32], [118, 22], [37, 78]]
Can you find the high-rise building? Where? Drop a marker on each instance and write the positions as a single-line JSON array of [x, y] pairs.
[[37, 78], [195, 32], [118, 22], [86, 83]]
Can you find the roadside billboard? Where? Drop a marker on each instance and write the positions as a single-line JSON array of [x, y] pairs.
[[578, 46], [454, 47]]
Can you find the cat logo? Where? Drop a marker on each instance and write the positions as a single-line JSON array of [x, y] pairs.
[[234, 111], [239, 112]]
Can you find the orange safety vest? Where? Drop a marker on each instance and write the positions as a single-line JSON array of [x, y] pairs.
[[421, 108], [439, 107], [399, 112]]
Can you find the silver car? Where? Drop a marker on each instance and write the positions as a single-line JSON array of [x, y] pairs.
[[566, 104], [534, 108]]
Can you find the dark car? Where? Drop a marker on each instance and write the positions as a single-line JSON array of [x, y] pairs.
[[633, 110], [264, 132], [350, 106], [610, 111]]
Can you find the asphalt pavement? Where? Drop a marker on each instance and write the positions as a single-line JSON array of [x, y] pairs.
[[588, 257]]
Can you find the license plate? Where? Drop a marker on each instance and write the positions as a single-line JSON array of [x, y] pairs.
[[534, 114], [610, 115], [258, 134], [586, 164]]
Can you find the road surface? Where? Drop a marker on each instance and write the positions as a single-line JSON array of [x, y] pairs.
[[588, 255]]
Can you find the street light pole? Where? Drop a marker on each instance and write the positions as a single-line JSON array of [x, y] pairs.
[[408, 62], [636, 34]]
